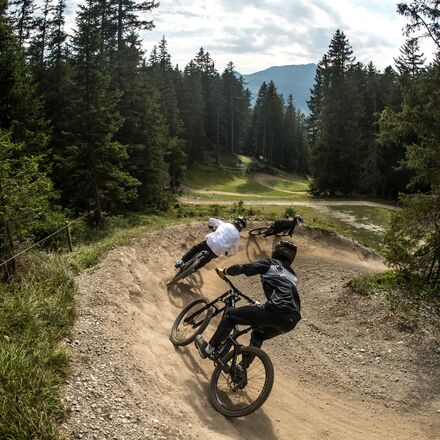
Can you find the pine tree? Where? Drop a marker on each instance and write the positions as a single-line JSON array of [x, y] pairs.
[[39, 42], [259, 122], [209, 74], [96, 159], [335, 151], [371, 178], [25, 199], [193, 109], [20, 105], [411, 61], [23, 20], [423, 16], [236, 110], [161, 74]]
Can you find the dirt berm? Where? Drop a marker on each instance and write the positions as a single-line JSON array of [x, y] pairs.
[[350, 370]]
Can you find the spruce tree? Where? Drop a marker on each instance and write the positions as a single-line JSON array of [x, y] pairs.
[[25, 199], [20, 105], [97, 161], [193, 110], [23, 19], [335, 151], [236, 110], [411, 61]]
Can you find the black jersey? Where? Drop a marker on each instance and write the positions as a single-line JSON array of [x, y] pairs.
[[279, 282]]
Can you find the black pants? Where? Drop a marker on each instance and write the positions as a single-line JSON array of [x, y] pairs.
[[202, 246], [270, 321], [281, 226]]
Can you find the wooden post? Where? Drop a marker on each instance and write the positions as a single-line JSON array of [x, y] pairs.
[[69, 237]]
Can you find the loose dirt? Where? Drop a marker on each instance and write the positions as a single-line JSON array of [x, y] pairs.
[[350, 370]]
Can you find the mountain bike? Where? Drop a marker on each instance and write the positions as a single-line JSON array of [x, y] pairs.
[[243, 375], [189, 267], [277, 228]]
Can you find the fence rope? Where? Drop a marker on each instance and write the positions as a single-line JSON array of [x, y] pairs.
[[45, 238]]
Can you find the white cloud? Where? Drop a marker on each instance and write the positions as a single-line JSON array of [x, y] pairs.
[[256, 34]]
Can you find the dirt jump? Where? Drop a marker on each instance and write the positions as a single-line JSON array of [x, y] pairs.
[[350, 370]]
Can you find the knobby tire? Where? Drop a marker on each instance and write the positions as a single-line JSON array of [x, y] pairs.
[[258, 231], [199, 322], [267, 388]]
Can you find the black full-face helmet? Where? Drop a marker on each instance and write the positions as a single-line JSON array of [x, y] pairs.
[[285, 250], [239, 223]]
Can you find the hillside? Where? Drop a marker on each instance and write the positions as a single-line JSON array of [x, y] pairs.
[[295, 79]]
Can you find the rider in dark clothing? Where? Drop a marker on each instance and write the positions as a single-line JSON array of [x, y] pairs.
[[287, 224], [278, 315]]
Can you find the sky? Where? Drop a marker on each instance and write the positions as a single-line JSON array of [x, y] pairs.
[[257, 34]]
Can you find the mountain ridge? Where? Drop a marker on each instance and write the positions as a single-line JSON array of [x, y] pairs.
[[294, 79]]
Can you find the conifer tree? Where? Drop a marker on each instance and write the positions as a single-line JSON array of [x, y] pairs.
[[236, 109], [25, 199], [335, 151], [209, 74], [161, 74], [290, 153], [371, 178], [20, 105], [96, 159], [193, 109], [39, 41], [23, 19], [411, 61]]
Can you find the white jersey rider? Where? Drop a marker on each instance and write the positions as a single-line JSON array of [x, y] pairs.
[[223, 240]]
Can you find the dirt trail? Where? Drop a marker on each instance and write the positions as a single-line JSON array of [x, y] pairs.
[[348, 371], [267, 180], [311, 203]]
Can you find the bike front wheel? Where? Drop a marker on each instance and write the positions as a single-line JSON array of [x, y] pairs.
[[190, 322], [241, 385], [258, 231]]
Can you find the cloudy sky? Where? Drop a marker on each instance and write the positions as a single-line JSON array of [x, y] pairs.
[[257, 34]]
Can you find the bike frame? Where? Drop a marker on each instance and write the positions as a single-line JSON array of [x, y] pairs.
[[229, 298]]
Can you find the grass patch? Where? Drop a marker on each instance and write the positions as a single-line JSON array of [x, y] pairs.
[[370, 238], [295, 183], [265, 195], [371, 215], [412, 301], [234, 177], [118, 230], [37, 311]]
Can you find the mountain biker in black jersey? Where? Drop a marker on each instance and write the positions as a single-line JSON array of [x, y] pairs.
[[223, 239], [278, 315], [289, 224]]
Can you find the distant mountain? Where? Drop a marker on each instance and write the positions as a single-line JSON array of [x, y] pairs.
[[295, 79]]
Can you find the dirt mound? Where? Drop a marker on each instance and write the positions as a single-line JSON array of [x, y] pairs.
[[348, 371]]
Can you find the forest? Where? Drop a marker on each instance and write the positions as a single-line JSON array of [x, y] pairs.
[[90, 122], [97, 132]]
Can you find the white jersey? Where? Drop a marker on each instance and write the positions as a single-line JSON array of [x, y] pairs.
[[225, 237]]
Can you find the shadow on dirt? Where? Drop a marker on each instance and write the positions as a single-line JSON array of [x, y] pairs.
[[184, 291]]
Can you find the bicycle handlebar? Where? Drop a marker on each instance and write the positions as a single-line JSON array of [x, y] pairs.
[[222, 275]]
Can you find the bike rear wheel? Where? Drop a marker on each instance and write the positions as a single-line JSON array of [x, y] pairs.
[[187, 269], [237, 392], [258, 231], [190, 322]]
